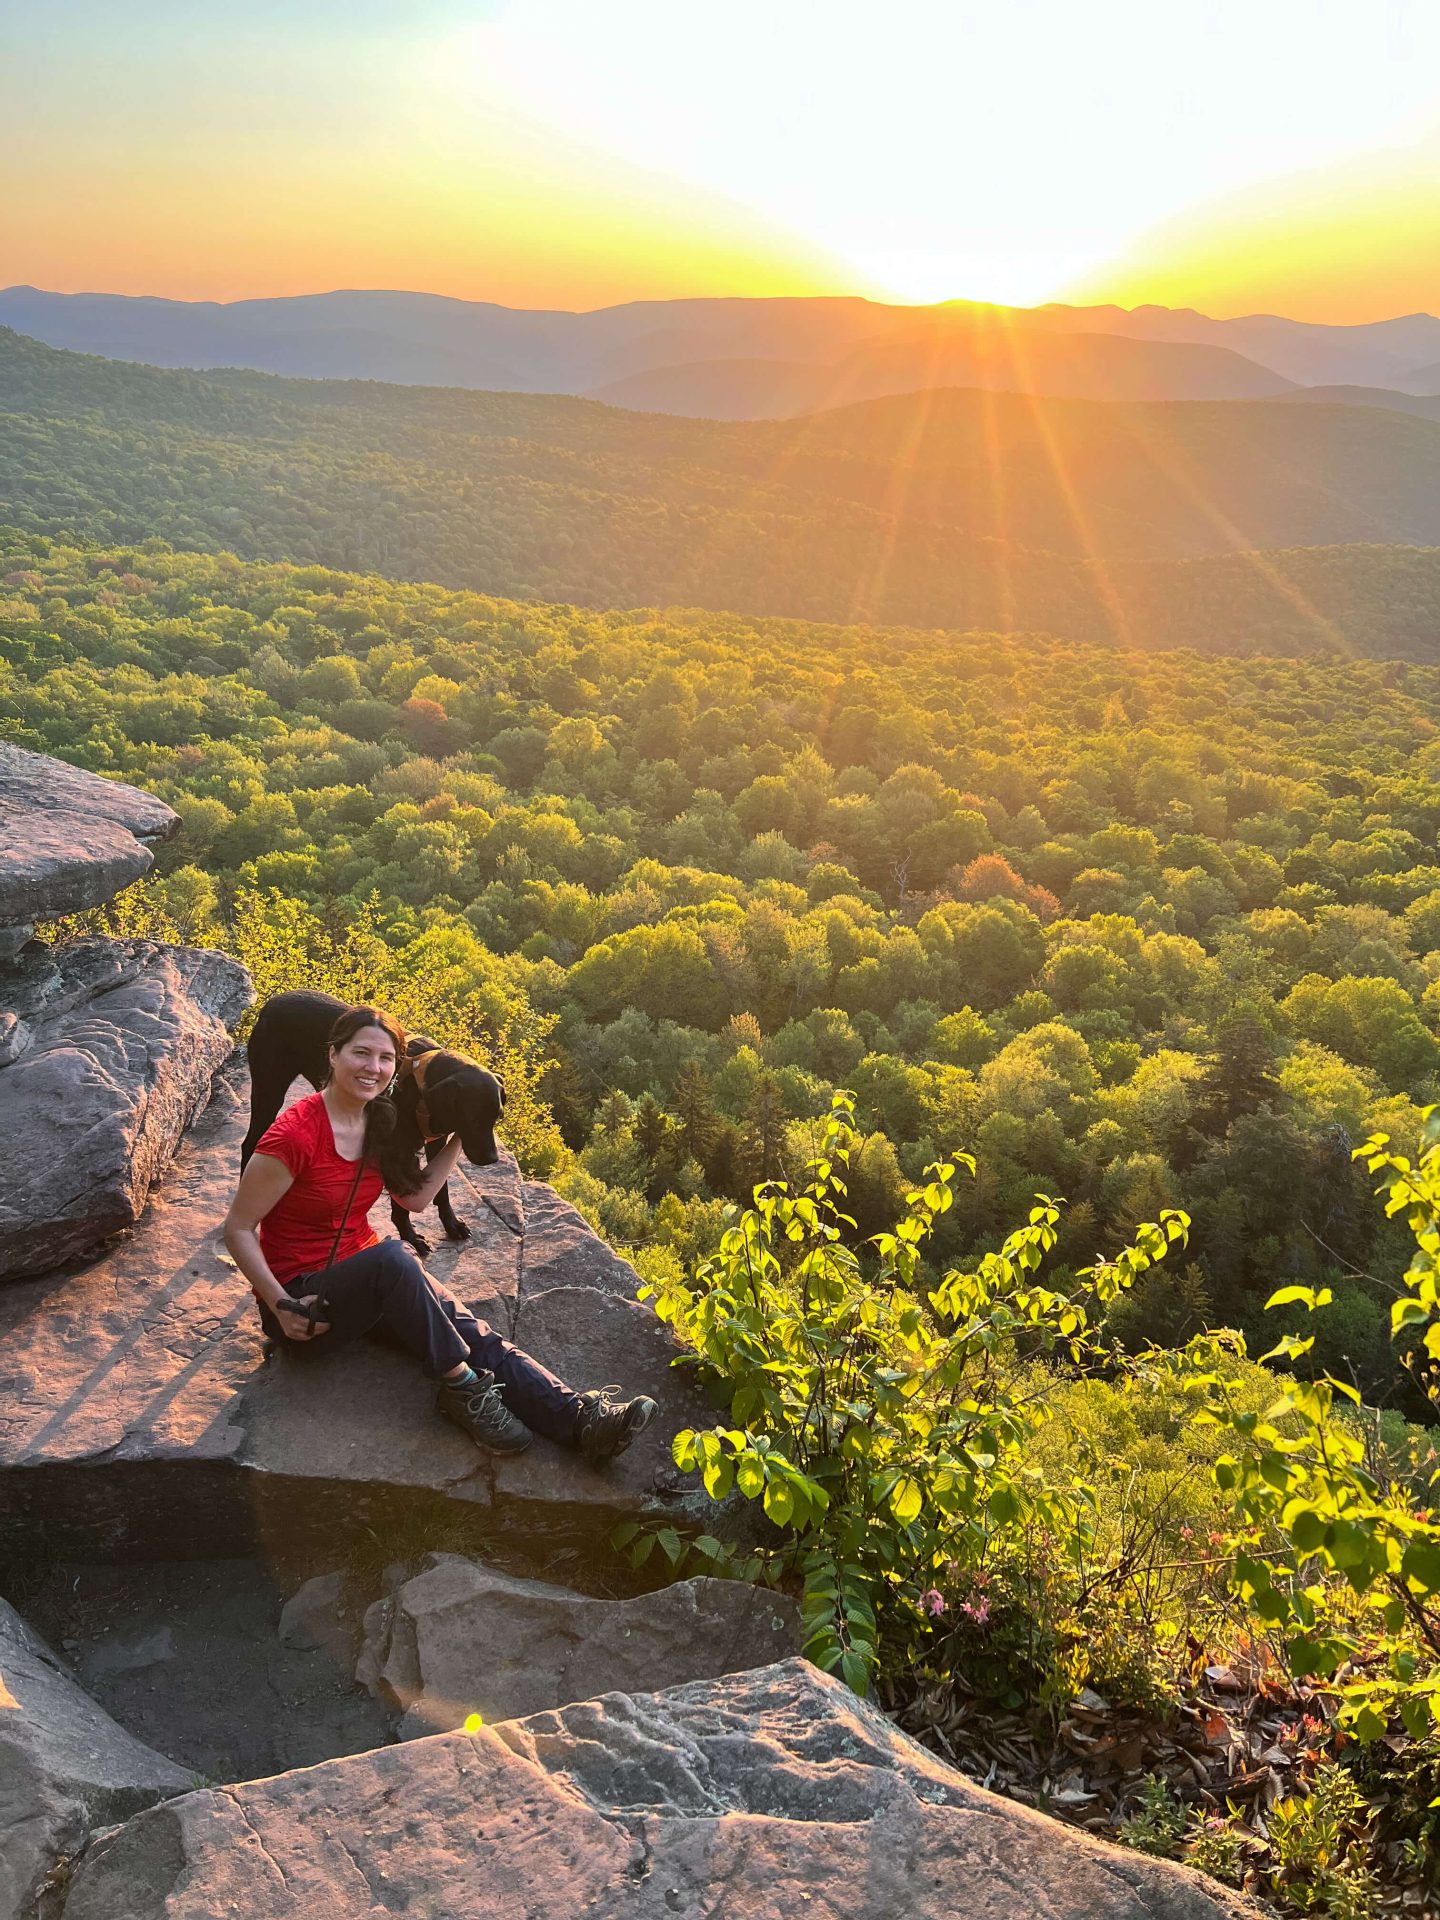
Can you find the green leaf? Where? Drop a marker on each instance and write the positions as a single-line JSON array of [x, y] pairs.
[[779, 1502], [1415, 1717], [855, 1672], [1307, 1530], [749, 1475], [1004, 1505], [1271, 1604], [1366, 1724], [1421, 1565], [718, 1478], [906, 1499], [1292, 1296], [1407, 1313], [822, 1649]]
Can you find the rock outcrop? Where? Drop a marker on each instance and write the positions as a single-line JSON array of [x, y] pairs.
[[763, 1796], [459, 1638], [150, 1361], [121, 1040], [107, 1047], [68, 839], [65, 1768]]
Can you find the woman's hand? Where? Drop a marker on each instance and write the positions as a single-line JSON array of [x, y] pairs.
[[437, 1172], [294, 1316]]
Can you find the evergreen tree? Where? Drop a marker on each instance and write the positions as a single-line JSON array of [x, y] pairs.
[[694, 1113], [764, 1133], [1240, 1078]]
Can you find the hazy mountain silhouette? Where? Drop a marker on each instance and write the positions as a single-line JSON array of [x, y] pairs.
[[1424, 380], [1378, 353], [838, 349], [1079, 366]]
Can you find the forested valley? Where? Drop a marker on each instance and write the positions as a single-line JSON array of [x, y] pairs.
[[1144, 931], [884, 856]]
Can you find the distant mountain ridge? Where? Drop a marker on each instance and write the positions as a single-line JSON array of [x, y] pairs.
[[1254, 526], [1079, 366], [737, 358], [1375, 353]]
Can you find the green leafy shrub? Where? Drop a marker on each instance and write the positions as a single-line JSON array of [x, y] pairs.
[[1320, 1848], [885, 1425], [1336, 1555], [1156, 1826]]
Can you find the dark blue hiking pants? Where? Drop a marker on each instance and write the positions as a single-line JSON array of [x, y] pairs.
[[384, 1291]]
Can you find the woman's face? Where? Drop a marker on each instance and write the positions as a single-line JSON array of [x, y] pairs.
[[365, 1065]]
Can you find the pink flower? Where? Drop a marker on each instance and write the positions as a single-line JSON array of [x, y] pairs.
[[978, 1611], [933, 1602], [1187, 1533]]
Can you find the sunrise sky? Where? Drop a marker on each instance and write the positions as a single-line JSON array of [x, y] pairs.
[[1233, 155]]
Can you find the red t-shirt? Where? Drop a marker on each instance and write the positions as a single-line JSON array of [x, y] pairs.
[[298, 1232]]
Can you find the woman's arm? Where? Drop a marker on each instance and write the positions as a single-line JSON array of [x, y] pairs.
[[436, 1174], [262, 1185]]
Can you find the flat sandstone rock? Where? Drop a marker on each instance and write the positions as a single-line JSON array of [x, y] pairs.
[[762, 1796], [65, 1767], [68, 839]]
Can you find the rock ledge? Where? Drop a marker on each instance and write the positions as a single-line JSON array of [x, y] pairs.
[[763, 1796]]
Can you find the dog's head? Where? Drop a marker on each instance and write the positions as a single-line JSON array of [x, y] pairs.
[[461, 1097]]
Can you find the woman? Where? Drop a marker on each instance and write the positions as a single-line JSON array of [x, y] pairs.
[[298, 1230]]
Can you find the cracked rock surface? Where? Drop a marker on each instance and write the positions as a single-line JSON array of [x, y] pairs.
[[757, 1797], [65, 1767]]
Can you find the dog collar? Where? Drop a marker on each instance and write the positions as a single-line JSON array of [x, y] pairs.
[[418, 1067]]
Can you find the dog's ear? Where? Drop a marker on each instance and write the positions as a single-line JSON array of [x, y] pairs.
[[444, 1098]]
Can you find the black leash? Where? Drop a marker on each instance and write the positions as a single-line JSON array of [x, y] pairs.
[[314, 1313]]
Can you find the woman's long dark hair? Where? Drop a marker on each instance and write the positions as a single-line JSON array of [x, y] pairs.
[[380, 1115]]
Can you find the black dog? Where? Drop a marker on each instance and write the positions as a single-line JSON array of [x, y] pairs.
[[436, 1093]]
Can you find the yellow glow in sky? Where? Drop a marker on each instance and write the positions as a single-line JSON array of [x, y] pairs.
[[1225, 154], [1354, 241]]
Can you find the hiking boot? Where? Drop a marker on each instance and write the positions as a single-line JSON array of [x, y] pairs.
[[478, 1408], [606, 1427]]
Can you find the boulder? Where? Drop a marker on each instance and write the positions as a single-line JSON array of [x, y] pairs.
[[65, 1769], [68, 839], [460, 1638], [111, 1052], [761, 1796], [317, 1618], [147, 1368]]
